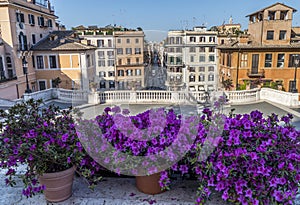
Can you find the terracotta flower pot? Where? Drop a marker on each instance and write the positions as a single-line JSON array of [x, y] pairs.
[[58, 185], [149, 184]]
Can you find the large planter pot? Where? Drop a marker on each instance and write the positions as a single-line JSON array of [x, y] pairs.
[[58, 185], [149, 184]]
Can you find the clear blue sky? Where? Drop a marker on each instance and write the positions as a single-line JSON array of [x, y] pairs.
[[162, 15]]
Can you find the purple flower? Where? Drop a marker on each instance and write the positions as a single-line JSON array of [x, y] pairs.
[[184, 169], [107, 109], [64, 137], [6, 140], [116, 109], [225, 195], [125, 112], [249, 193], [278, 195]]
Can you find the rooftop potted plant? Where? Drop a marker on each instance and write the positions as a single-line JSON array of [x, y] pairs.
[[44, 139]]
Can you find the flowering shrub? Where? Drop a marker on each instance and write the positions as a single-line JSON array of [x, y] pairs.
[[45, 140], [137, 145], [256, 162]]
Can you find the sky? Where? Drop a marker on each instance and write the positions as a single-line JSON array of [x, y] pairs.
[[157, 17]]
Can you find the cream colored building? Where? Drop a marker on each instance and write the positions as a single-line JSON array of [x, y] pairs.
[[23, 23], [62, 55]]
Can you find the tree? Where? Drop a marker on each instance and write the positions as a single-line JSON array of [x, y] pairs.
[[56, 82]]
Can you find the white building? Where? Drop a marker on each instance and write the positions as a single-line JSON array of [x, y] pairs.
[[105, 58], [192, 59]]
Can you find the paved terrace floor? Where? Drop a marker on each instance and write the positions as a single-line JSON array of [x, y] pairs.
[[122, 191]]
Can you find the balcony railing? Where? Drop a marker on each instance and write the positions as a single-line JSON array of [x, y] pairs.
[[253, 74]]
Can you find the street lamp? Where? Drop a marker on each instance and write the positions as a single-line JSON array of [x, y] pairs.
[[296, 63], [25, 71]]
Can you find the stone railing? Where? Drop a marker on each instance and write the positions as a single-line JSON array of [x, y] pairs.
[[280, 97], [142, 97], [243, 96], [60, 94]]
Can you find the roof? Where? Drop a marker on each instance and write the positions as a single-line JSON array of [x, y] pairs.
[[294, 10], [236, 46], [61, 41]]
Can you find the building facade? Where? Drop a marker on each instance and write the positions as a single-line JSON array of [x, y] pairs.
[[129, 59], [22, 24], [61, 60], [267, 56], [192, 60]]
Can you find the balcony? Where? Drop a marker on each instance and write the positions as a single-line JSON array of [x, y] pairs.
[[256, 74]]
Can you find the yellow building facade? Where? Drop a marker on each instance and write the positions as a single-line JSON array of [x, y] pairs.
[[267, 56]]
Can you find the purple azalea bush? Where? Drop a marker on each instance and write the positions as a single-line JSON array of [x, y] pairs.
[[257, 161], [45, 141]]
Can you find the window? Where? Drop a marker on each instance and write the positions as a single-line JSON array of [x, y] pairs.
[[109, 42], [211, 68], [137, 40], [49, 23], [102, 84], [128, 51], [171, 60], [271, 15], [40, 62], [138, 72], [101, 63], [211, 58], [171, 40], [192, 39], [33, 61], [22, 42], [111, 84], [41, 21], [31, 19], [283, 15], [129, 72], [282, 35], [202, 58], [100, 43], [127, 40], [120, 72], [268, 60], [244, 60], [280, 60], [270, 35], [228, 59], [110, 62], [211, 77], [201, 78], [192, 69], [128, 61], [137, 50], [42, 85], [120, 62], [192, 58], [100, 54], [20, 17], [8, 62], [292, 60], [192, 49], [192, 78], [137, 61], [202, 49], [178, 50], [111, 73], [212, 39], [88, 60], [120, 51], [201, 69], [102, 74], [33, 39], [110, 54], [119, 40], [2, 74], [202, 39], [255, 63], [178, 40], [52, 61], [211, 49]]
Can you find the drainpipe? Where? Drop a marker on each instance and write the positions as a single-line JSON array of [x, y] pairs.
[[237, 70]]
